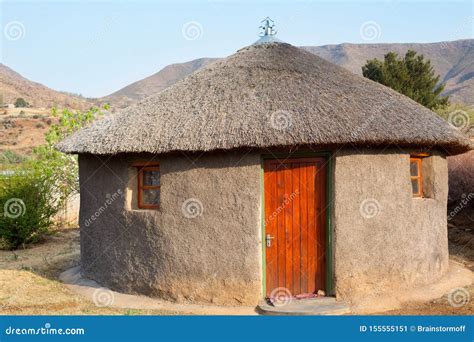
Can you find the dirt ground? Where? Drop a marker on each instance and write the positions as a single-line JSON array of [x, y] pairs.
[[29, 282], [22, 129]]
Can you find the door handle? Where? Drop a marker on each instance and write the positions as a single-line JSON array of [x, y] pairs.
[[268, 240]]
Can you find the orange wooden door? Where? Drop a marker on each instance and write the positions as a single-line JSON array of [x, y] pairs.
[[295, 226]]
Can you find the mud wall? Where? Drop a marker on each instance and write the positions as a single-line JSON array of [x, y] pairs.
[[385, 240], [202, 245]]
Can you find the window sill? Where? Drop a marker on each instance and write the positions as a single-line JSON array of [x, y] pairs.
[[144, 209]]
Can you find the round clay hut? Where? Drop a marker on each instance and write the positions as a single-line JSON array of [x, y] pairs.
[[266, 174]]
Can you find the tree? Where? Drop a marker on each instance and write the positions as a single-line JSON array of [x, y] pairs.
[[39, 187], [412, 76], [21, 103], [62, 168]]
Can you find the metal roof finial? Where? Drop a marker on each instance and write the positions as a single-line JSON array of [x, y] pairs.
[[268, 27]]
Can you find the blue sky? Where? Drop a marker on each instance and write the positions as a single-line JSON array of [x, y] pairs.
[[97, 47]]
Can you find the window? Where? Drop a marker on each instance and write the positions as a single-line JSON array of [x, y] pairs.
[[148, 186], [416, 176]]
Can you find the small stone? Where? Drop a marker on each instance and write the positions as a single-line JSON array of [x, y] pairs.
[[321, 293]]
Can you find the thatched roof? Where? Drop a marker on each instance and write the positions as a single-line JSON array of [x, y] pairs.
[[268, 95]]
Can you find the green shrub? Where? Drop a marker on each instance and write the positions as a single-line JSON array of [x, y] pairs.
[[21, 103], [39, 187], [10, 157], [28, 207], [410, 75]]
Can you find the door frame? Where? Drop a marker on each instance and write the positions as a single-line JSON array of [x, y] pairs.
[[328, 156]]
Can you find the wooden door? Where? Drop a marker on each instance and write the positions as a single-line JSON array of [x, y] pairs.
[[295, 226]]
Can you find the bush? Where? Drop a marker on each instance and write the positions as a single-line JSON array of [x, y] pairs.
[[10, 157], [28, 208], [411, 75], [21, 103], [39, 187]]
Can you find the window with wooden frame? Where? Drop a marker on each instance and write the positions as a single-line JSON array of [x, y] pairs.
[[148, 187], [416, 176]]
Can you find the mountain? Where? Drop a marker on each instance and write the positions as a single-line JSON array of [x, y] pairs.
[[13, 86], [454, 61], [154, 83]]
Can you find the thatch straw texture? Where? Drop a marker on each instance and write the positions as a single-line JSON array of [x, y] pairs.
[[264, 96]]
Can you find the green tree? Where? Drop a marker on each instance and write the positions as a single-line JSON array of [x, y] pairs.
[[21, 103], [60, 167], [37, 189], [412, 76]]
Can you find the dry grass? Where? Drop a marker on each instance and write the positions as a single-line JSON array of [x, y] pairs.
[[21, 133], [29, 285]]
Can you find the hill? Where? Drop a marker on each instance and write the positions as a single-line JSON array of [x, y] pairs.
[[454, 61], [154, 83], [13, 85]]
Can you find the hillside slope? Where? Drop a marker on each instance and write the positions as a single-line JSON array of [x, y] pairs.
[[13, 86], [454, 61], [154, 83]]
